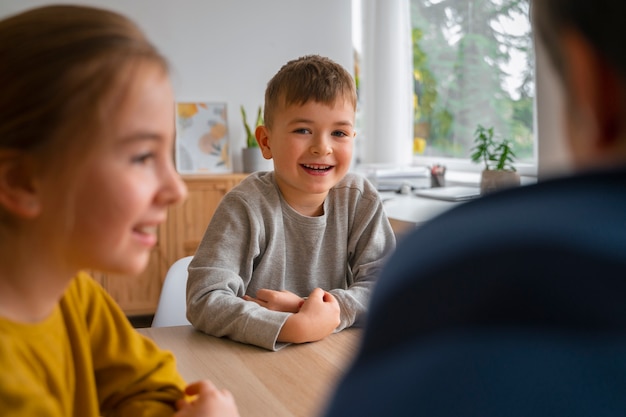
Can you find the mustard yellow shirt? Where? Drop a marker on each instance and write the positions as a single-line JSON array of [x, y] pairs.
[[84, 360]]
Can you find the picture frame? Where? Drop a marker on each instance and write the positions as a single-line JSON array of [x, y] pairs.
[[202, 140]]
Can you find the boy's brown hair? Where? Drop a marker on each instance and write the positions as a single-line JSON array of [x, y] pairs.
[[311, 77]]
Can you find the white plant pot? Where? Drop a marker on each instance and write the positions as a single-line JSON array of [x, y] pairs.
[[493, 180], [253, 160]]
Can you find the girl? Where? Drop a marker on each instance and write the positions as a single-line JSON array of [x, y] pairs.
[[86, 176]]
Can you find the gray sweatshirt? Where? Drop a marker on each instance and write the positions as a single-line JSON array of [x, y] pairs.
[[256, 240]]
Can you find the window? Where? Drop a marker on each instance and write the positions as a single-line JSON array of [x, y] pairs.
[[473, 64]]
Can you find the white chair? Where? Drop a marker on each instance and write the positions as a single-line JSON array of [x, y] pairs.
[[172, 307]]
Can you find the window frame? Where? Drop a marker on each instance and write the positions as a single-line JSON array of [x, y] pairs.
[[465, 165]]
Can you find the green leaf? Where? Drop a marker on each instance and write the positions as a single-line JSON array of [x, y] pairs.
[[495, 154], [250, 138]]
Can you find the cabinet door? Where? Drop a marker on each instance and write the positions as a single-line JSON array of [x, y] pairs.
[[187, 223]]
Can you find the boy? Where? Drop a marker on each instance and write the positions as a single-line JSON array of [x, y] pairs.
[[521, 314], [291, 255]]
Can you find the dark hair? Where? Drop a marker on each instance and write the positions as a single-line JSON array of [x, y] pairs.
[[310, 77], [599, 21], [58, 65]]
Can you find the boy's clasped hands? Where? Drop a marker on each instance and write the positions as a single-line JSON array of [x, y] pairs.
[[313, 318]]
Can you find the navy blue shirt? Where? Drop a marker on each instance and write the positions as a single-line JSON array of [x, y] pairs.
[[510, 305]]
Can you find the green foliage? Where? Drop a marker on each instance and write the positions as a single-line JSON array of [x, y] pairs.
[[425, 85], [494, 154], [460, 79], [250, 138]]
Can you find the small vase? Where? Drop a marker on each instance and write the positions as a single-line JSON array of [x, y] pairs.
[[253, 160], [496, 180]]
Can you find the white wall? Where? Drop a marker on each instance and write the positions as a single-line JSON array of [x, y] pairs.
[[227, 50]]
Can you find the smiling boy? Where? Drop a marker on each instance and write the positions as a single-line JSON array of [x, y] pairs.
[[291, 255]]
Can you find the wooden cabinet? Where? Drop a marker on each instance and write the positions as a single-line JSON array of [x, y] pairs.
[[179, 236], [187, 223]]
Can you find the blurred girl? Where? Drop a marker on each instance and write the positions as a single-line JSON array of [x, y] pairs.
[[86, 177]]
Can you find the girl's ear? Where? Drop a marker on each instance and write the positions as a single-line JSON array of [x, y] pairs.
[[262, 137], [17, 184]]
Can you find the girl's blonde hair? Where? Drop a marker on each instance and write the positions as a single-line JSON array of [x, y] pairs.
[[60, 66], [65, 72]]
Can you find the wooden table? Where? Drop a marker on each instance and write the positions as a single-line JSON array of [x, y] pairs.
[[294, 381]]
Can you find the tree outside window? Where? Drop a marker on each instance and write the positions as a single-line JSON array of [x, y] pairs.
[[473, 65]]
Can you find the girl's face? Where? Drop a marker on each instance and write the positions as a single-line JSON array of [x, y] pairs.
[[124, 191]]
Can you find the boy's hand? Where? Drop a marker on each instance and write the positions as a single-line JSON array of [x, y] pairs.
[[318, 317], [208, 402], [284, 300]]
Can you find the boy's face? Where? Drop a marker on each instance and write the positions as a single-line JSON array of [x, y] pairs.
[[311, 146]]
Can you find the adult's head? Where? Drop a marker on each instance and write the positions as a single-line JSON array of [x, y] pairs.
[[585, 42]]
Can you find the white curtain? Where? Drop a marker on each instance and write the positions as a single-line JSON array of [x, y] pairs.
[[387, 82]]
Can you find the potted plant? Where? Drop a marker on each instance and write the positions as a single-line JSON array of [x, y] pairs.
[[498, 159], [252, 157]]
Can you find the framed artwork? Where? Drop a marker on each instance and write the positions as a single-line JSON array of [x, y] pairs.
[[202, 138]]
